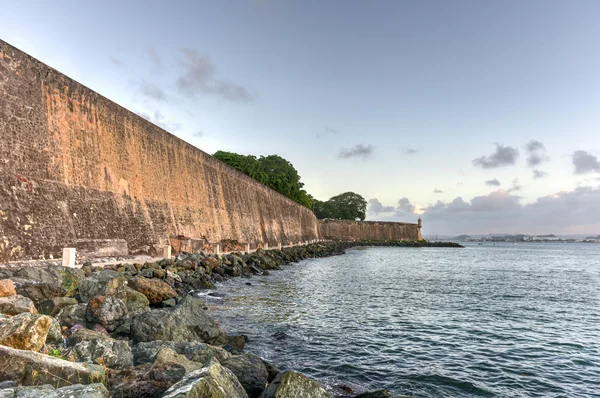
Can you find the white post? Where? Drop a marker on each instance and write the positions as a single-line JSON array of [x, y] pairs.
[[68, 258], [247, 247], [218, 248], [167, 251], [266, 246], [279, 246]]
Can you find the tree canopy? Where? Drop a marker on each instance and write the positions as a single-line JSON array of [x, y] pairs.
[[280, 175], [272, 171], [345, 206]]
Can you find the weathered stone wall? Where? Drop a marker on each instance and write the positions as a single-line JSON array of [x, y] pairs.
[[369, 230], [74, 165]]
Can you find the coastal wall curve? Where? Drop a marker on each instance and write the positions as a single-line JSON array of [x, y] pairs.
[[75, 165], [369, 230]]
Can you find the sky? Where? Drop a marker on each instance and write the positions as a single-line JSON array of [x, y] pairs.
[[479, 117]]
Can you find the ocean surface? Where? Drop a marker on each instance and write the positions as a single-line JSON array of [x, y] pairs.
[[499, 320]]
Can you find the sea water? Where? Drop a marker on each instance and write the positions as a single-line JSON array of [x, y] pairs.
[[489, 320]]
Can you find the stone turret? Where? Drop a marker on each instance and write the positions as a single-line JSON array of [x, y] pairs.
[[420, 222]]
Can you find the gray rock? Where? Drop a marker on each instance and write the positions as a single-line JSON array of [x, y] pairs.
[[106, 311], [272, 370], [212, 381], [25, 331], [32, 368], [54, 335], [72, 315], [38, 292], [198, 352], [47, 391], [292, 384], [103, 283], [135, 301], [167, 357], [147, 380], [250, 371], [187, 322], [53, 306], [16, 304], [97, 348]]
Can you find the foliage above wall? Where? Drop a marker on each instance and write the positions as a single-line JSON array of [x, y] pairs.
[[346, 206], [273, 171], [280, 175]]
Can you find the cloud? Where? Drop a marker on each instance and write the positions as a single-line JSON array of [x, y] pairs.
[[504, 156], [410, 151], [117, 62], [537, 174], [516, 186], [357, 151], [198, 134], [438, 191], [534, 146], [566, 212], [159, 120], [585, 162], [404, 206], [199, 76], [537, 153], [375, 207], [152, 91], [493, 183], [155, 58], [327, 131]]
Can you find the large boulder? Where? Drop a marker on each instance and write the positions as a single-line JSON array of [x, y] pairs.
[[53, 306], [54, 335], [198, 352], [104, 283], [212, 381], [25, 331], [250, 371], [32, 368], [40, 291], [97, 348], [186, 322], [106, 311], [155, 290], [135, 301], [166, 357], [7, 288], [96, 390], [42, 283], [292, 384], [16, 304], [147, 380], [72, 315]]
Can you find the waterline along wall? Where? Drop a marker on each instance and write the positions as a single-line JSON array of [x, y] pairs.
[[369, 230], [74, 165]]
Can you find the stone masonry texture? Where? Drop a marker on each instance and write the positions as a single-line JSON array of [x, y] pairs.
[[369, 230], [74, 165]]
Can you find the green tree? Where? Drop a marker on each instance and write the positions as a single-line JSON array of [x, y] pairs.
[[345, 206], [273, 171]]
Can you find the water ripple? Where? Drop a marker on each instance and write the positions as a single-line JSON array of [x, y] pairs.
[[496, 321]]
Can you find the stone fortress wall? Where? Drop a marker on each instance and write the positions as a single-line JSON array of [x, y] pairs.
[[78, 170], [369, 230], [76, 166]]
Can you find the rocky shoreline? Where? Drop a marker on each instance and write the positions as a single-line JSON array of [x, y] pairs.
[[134, 330]]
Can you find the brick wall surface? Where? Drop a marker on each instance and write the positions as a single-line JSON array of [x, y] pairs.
[[369, 230], [74, 165]]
